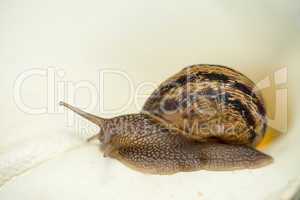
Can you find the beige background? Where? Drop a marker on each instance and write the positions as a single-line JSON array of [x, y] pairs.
[[149, 41]]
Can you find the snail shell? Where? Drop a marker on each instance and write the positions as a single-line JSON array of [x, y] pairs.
[[204, 117], [211, 102]]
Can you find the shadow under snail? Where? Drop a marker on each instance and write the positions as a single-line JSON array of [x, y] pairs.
[[207, 117]]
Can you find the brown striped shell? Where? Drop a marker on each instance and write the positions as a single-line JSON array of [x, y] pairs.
[[211, 102]]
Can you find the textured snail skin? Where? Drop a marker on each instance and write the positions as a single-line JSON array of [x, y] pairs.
[[162, 139]]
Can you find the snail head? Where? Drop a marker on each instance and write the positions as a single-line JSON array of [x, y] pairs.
[[104, 134]]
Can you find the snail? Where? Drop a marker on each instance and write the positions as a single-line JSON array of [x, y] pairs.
[[206, 117]]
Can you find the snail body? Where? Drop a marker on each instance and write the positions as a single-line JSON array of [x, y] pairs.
[[204, 117]]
